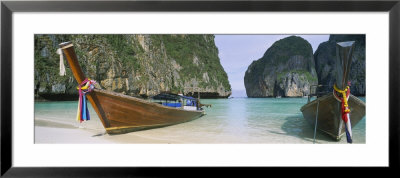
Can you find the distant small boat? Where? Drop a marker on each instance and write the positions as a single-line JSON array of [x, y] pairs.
[[278, 97], [327, 111], [121, 113]]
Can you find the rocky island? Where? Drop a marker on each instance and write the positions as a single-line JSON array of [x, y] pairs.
[[325, 56], [286, 69], [135, 65]]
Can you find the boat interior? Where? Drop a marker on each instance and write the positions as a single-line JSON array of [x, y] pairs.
[[177, 101]]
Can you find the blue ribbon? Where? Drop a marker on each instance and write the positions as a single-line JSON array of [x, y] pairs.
[[349, 140], [85, 109]]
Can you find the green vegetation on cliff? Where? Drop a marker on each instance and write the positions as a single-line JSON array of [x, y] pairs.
[[185, 48], [307, 75], [136, 65], [281, 51], [126, 50], [286, 69]]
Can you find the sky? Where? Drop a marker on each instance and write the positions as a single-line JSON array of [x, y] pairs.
[[236, 52]]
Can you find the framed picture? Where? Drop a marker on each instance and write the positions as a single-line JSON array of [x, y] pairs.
[[110, 42]]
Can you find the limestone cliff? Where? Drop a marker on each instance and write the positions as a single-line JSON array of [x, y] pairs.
[[135, 65], [325, 57], [286, 69]]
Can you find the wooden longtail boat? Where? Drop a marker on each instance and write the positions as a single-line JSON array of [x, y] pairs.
[[121, 113], [326, 110]]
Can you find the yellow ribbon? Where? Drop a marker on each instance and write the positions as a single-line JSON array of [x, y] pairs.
[[344, 94], [84, 87]]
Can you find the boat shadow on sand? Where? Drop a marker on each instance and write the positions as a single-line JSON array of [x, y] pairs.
[[298, 127]]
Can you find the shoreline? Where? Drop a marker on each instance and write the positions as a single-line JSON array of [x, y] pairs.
[[225, 123], [231, 97]]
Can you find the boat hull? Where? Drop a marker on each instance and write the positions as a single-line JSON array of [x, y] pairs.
[[329, 114], [122, 114]]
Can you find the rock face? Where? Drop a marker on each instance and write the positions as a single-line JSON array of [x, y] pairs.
[[286, 69], [325, 57], [135, 65]]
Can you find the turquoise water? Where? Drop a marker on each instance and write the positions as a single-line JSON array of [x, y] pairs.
[[235, 120]]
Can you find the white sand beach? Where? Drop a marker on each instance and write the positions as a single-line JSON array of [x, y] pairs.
[[57, 132]]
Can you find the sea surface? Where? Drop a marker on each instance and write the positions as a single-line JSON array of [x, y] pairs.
[[234, 120]]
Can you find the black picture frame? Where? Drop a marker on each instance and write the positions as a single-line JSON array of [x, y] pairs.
[[8, 7]]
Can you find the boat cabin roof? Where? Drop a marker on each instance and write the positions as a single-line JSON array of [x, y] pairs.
[[188, 97], [173, 97]]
